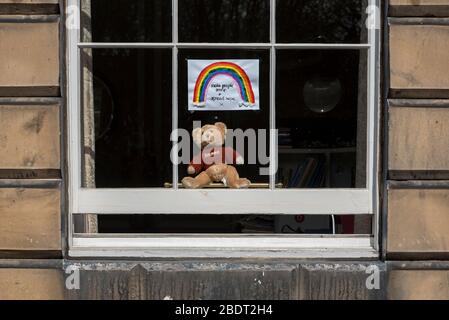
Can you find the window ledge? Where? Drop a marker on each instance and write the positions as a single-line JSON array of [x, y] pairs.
[[249, 246]]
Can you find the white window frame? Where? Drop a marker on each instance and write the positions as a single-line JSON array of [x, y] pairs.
[[354, 201]]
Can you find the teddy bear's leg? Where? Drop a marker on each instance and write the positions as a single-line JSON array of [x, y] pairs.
[[234, 181], [199, 181], [217, 172]]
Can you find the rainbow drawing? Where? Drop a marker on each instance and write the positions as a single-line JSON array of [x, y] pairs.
[[223, 68]]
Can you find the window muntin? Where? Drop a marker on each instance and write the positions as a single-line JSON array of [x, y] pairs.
[[152, 201]]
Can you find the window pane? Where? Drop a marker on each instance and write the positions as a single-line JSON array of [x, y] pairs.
[[321, 21], [126, 21], [252, 120], [321, 115], [224, 20], [127, 117], [235, 224]]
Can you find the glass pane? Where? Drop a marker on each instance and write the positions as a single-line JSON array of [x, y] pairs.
[[224, 20], [321, 115], [321, 21], [127, 117], [255, 146], [126, 21], [235, 224]]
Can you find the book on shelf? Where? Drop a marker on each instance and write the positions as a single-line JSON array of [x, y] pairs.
[[308, 173]]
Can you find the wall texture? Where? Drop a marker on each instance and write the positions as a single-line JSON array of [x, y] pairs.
[[31, 110], [415, 212], [417, 151]]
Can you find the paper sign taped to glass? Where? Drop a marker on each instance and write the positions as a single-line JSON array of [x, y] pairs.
[[223, 85]]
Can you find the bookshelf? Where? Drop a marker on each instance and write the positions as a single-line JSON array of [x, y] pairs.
[[289, 157], [315, 168]]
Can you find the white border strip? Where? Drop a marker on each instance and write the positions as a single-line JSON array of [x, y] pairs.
[[340, 253], [165, 201], [224, 242], [211, 45], [73, 122]]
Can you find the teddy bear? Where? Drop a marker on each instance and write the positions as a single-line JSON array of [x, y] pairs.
[[214, 162]]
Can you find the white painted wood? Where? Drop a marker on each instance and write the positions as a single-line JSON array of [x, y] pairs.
[[204, 45], [224, 242], [341, 46], [174, 154], [353, 254], [197, 246], [73, 116], [373, 117], [272, 75], [219, 201]]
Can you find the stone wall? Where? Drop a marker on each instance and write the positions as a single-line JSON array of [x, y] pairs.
[[417, 154], [31, 127]]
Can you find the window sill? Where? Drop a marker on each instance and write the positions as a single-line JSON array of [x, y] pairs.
[[223, 246]]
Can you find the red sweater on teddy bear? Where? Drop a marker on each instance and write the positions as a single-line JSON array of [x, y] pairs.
[[214, 155]]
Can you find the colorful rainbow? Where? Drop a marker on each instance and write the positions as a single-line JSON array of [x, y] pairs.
[[223, 68]]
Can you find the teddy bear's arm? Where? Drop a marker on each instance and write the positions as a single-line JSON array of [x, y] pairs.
[[233, 157], [196, 165]]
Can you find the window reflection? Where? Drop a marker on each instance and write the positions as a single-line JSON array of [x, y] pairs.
[[127, 101], [236, 224], [126, 21], [321, 21], [224, 20], [321, 117]]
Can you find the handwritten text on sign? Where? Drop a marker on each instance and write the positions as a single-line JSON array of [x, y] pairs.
[[219, 85]]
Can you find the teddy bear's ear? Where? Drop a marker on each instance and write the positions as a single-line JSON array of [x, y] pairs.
[[222, 127], [196, 136]]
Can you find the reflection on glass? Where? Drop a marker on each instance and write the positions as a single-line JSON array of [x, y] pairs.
[[127, 117], [321, 21], [322, 94], [224, 20], [126, 21], [321, 117], [244, 120]]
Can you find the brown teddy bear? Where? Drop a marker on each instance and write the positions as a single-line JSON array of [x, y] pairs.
[[213, 162]]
